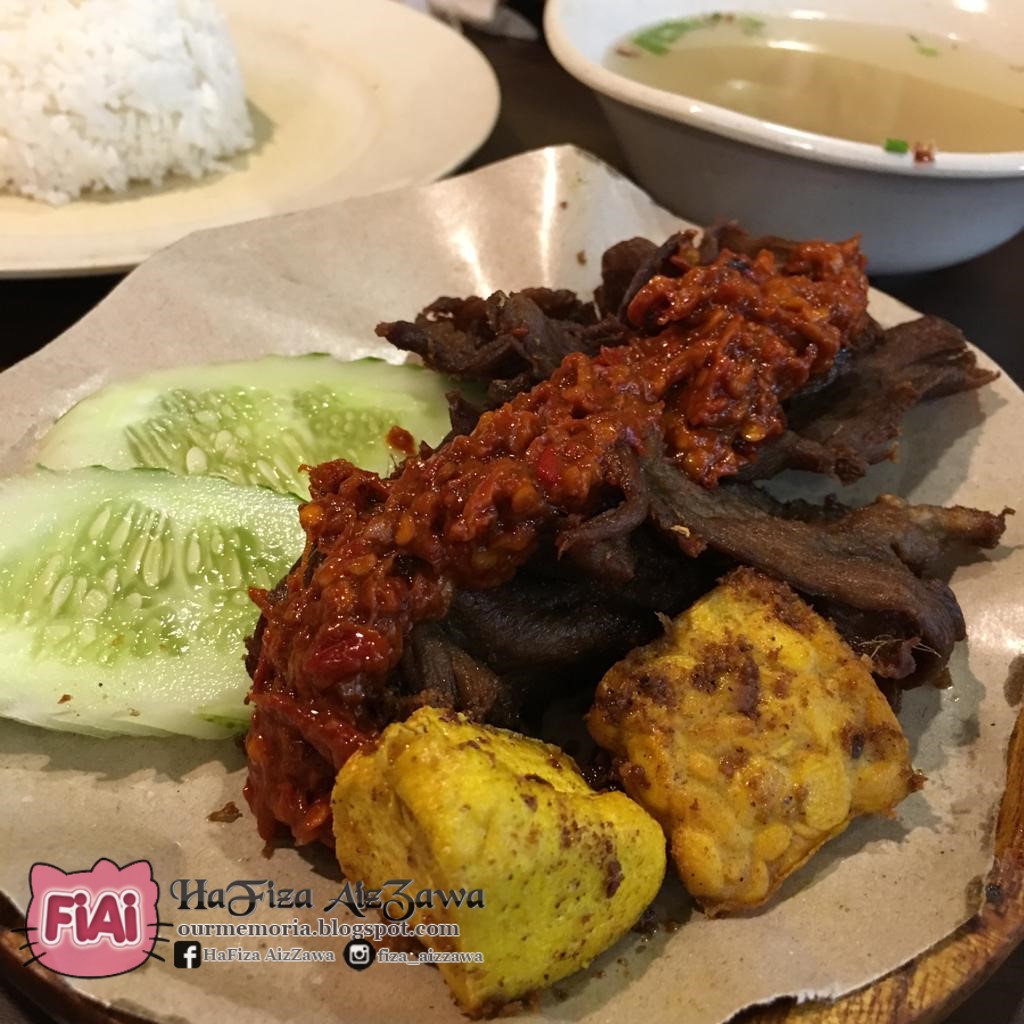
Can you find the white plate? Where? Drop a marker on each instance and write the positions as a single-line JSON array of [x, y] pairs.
[[348, 97]]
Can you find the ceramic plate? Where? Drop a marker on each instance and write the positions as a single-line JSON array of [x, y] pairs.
[[871, 900], [347, 97]]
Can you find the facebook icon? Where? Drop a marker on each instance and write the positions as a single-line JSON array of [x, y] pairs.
[[188, 954]]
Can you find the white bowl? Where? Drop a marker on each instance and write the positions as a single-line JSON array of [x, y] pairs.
[[707, 162]]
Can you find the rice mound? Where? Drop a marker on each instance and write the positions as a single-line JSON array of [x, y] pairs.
[[95, 94]]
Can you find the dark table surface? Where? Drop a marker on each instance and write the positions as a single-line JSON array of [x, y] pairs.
[[541, 106]]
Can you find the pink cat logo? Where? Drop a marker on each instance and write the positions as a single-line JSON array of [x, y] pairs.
[[95, 923]]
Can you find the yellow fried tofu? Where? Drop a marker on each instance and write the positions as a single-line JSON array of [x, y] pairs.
[[754, 734], [564, 871]]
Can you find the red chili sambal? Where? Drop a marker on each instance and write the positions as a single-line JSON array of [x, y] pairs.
[[717, 352]]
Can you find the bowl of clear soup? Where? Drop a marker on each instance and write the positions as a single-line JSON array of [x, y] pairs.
[[901, 121]]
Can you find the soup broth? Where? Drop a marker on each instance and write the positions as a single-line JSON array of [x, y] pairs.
[[867, 83]]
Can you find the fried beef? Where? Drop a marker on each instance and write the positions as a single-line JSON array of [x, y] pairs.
[[553, 628], [865, 566], [838, 425], [647, 261], [507, 342], [854, 422], [436, 671], [619, 265]]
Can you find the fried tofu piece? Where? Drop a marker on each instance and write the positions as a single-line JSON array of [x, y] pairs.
[[564, 871], [754, 734]]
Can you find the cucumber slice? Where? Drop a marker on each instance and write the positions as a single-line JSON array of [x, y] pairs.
[[123, 603], [252, 422]]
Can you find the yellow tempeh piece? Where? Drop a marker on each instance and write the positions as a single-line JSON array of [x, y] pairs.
[[754, 734], [565, 871]]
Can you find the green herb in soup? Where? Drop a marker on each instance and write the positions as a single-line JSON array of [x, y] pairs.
[[867, 83]]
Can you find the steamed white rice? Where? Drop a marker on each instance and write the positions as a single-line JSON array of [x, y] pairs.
[[95, 94]]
